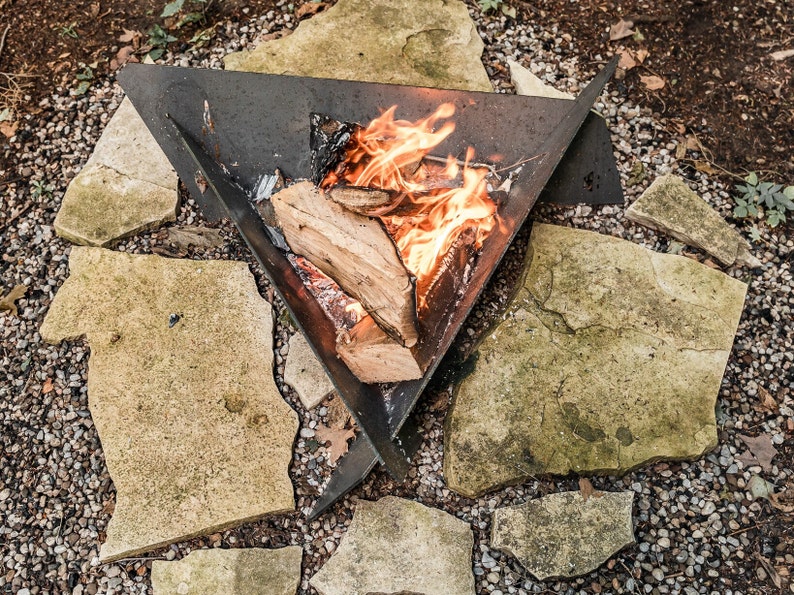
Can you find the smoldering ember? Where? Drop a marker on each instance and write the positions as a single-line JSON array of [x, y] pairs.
[[285, 315]]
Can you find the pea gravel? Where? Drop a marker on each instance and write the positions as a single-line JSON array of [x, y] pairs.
[[698, 528]]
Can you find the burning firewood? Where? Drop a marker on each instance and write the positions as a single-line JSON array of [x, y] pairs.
[[355, 251], [373, 356], [365, 201]]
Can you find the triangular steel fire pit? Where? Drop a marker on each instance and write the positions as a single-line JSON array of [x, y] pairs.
[[223, 130]]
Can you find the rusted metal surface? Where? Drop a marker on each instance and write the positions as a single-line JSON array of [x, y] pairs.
[[231, 128]]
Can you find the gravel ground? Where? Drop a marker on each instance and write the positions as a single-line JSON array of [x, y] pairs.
[[698, 528]]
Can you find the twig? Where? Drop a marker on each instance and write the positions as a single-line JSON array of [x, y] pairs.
[[3, 39]]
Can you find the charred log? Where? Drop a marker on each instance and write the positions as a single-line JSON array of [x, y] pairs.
[[327, 140]]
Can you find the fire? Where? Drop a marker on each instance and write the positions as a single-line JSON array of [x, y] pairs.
[[437, 201]]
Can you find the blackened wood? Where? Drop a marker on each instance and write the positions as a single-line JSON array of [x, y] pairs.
[[327, 141]]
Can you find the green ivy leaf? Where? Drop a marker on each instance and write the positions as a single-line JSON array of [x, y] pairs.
[[740, 211], [783, 200], [156, 53], [789, 192], [752, 209], [752, 179], [172, 8], [755, 234]]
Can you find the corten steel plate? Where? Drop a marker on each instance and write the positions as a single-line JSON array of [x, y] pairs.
[[232, 127]]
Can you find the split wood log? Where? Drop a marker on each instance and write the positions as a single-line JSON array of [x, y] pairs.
[[355, 251], [373, 356], [364, 201]]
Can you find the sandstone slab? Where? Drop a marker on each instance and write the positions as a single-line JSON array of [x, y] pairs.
[[126, 187], [433, 43], [670, 206], [305, 374], [398, 546], [563, 535], [527, 83], [610, 356], [250, 571], [180, 381]]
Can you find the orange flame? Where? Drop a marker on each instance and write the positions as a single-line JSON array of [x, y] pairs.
[[388, 155]]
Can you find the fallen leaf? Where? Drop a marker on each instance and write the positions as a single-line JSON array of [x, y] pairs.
[[132, 37], [782, 54], [337, 416], [7, 302], [705, 167], [767, 400], [641, 54], [9, 129], [680, 151], [47, 386], [770, 570], [124, 55], [309, 9], [761, 450], [621, 30], [586, 488], [627, 61], [337, 439], [652, 82]]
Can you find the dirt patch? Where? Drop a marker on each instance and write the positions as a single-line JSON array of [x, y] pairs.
[[721, 83]]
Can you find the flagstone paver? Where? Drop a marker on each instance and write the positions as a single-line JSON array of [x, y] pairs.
[[305, 374], [433, 43], [252, 571], [526, 83], [180, 384], [399, 546], [126, 187], [565, 535], [609, 356], [670, 206]]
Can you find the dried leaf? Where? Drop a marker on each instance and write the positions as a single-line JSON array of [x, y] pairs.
[[309, 9], [337, 439], [131, 37], [705, 167], [641, 54], [680, 151], [7, 302], [652, 82], [124, 55], [585, 488], [767, 400], [47, 386], [621, 30], [338, 416], [760, 449], [770, 570], [9, 129], [627, 61], [782, 54]]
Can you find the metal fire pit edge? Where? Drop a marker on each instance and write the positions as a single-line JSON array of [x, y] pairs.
[[381, 415]]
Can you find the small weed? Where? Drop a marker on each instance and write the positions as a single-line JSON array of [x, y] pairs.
[[69, 31], [86, 77], [759, 199], [494, 5], [196, 12], [41, 189], [158, 40]]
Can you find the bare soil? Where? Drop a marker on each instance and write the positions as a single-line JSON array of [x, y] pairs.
[[722, 85]]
